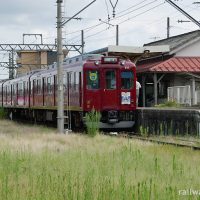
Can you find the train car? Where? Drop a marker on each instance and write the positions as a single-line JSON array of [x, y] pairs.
[[106, 84]]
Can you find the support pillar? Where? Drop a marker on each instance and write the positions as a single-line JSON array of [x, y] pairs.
[[155, 88], [143, 91], [193, 91]]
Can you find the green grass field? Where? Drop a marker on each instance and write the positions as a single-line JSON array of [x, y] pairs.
[[38, 164]]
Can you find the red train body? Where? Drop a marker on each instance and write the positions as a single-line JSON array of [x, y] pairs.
[[106, 84]]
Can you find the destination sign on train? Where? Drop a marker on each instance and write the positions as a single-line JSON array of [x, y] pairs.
[[110, 59]]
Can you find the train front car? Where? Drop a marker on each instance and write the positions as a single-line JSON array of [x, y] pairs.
[[109, 87]]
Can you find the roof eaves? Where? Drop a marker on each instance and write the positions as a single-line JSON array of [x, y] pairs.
[[186, 44], [173, 37]]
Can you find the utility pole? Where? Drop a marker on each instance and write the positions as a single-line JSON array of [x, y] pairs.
[[60, 95], [82, 41], [168, 27], [117, 35]]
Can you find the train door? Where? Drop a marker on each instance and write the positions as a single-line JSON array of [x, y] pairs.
[[110, 96]]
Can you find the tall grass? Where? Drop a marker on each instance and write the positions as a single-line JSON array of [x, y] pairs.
[[49, 166], [92, 122]]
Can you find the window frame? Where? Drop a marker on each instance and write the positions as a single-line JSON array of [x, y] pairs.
[[110, 79], [131, 82], [89, 84]]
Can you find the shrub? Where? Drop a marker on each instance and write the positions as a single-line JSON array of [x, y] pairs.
[[92, 122], [3, 113], [169, 104]]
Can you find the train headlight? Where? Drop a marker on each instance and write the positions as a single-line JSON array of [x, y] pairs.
[[123, 62], [96, 62]]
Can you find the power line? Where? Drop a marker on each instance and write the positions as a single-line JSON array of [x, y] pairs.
[[131, 7], [141, 13], [136, 9], [92, 27], [124, 21]]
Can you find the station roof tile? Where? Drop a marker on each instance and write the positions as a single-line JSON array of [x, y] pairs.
[[172, 65]]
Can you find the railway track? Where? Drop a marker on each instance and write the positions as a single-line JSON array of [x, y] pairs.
[[179, 142]]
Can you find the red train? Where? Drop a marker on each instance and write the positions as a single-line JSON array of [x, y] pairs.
[[92, 81]]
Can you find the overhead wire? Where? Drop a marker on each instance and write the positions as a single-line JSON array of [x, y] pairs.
[[126, 20], [92, 27], [130, 18], [140, 13]]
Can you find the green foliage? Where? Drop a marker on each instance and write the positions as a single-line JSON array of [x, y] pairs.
[[3, 113], [92, 122], [103, 168], [144, 131], [172, 104]]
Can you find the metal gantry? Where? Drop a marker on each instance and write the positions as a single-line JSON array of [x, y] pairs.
[[38, 47]]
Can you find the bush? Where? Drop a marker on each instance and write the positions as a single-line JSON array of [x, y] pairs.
[[173, 104], [3, 113], [92, 122]]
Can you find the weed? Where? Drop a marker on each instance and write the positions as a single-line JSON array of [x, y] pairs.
[[173, 104], [92, 122]]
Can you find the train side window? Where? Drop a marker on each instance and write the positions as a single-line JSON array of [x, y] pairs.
[[56, 82], [38, 88], [24, 88], [20, 89], [13, 90], [69, 80], [64, 82], [8, 90], [126, 80], [75, 81], [92, 77], [110, 79], [49, 85], [34, 87]]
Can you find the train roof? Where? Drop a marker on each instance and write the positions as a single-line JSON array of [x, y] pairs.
[[81, 58]]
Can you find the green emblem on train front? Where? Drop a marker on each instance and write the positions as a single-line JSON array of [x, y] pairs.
[[93, 76]]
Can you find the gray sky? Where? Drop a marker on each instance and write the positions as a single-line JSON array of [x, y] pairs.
[[140, 21]]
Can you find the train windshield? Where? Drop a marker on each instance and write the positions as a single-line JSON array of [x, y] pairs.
[[126, 80], [92, 79], [110, 79]]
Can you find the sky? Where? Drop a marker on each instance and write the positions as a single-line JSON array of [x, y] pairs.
[[140, 22]]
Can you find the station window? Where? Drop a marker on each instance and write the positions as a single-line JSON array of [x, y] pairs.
[[126, 80], [92, 79], [110, 79]]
